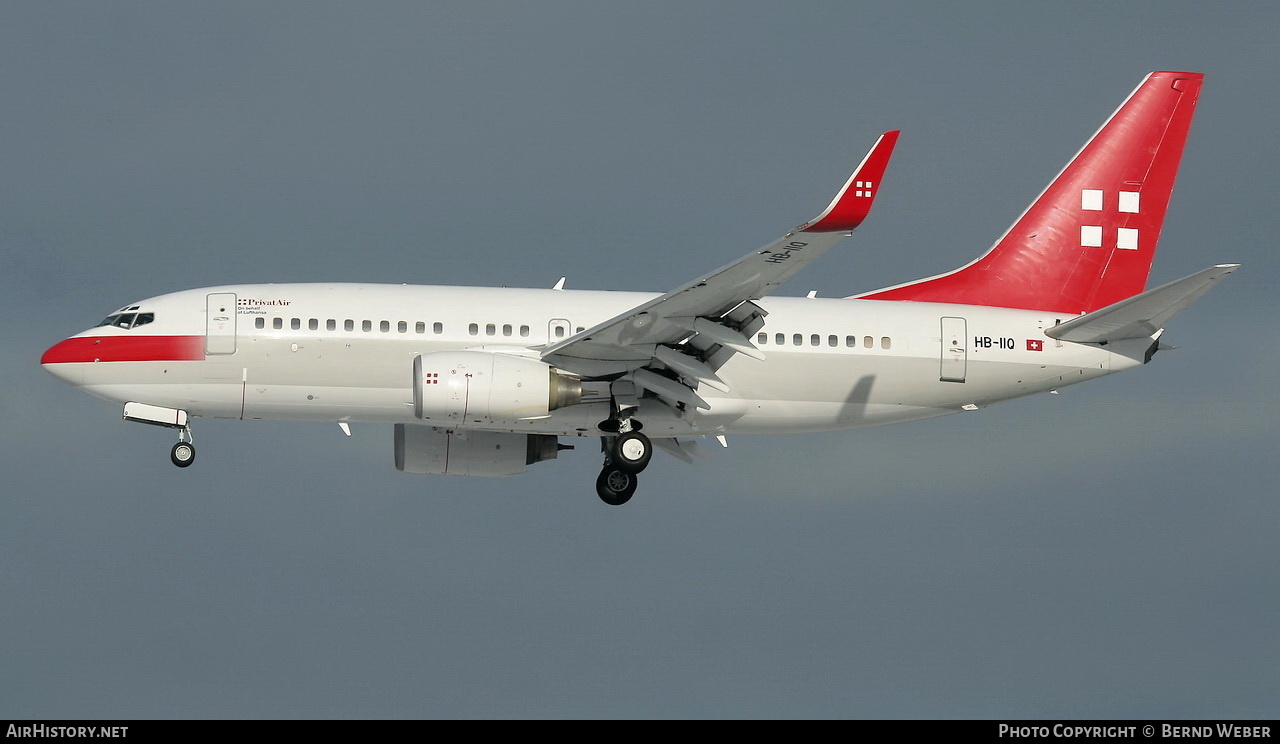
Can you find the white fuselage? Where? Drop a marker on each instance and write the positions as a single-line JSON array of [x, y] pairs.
[[344, 352]]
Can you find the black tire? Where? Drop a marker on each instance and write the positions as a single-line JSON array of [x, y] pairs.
[[632, 452], [615, 487], [183, 454]]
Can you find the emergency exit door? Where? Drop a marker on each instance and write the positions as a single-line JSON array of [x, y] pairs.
[[955, 350], [220, 324]]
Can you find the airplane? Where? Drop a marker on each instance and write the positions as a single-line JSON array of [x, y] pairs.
[[479, 381]]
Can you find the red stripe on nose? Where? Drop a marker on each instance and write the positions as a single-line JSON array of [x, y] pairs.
[[126, 349]]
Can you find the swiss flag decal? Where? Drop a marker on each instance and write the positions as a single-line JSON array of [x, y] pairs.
[[1035, 344]]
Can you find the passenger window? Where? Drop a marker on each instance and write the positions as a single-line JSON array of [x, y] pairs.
[[313, 324], [438, 327], [763, 338], [885, 342], [143, 319], [851, 341], [797, 340], [384, 326], [579, 329], [295, 323], [260, 322], [832, 340], [331, 325], [348, 325], [559, 331], [366, 325], [506, 329], [402, 327], [420, 327], [490, 329], [277, 323], [779, 338], [473, 329], [868, 341], [524, 331], [815, 340]]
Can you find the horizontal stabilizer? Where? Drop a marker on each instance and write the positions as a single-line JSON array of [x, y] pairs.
[[1141, 315]]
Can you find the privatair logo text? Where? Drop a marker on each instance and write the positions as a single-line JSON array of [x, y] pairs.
[[250, 306]]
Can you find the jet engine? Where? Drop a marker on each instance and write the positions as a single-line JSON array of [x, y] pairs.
[[437, 450], [464, 388]]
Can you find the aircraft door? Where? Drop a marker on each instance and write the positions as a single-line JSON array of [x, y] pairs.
[[559, 330], [220, 323], [955, 350]]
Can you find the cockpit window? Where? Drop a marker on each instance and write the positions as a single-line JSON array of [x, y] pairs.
[[127, 320]]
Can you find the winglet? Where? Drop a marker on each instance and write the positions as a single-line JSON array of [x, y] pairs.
[[852, 205]]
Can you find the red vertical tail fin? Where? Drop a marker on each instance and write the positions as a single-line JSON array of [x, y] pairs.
[[1089, 239]]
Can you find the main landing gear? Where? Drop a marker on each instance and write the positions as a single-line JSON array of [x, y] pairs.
[[625, 456], [615, 487]]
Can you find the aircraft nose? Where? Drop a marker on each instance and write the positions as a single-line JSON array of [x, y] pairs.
[[59, 361]]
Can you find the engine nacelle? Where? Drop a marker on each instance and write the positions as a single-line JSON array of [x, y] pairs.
[[437, 450], [464, 388]]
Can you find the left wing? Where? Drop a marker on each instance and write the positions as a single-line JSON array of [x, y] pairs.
[[674, 343]]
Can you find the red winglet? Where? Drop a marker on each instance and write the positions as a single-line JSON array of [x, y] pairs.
[[852, 205]]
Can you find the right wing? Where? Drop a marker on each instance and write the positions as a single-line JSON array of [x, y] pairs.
[[672, 344]]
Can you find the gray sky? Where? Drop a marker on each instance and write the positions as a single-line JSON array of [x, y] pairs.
[[1109, 552]]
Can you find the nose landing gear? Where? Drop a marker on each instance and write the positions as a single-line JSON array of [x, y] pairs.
[[184, 452]]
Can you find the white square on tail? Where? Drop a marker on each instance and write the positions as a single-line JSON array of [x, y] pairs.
[[1129, 202], [1091, 199], [1127, 239], [1091, 235]]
